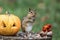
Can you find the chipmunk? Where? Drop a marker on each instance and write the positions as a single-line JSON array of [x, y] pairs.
[[27, 22]]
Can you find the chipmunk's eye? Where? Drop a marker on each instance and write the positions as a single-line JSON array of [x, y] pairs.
[[31, 12], [29, 18]]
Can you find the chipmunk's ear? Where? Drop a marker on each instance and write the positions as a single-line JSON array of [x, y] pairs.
[[30, 9]]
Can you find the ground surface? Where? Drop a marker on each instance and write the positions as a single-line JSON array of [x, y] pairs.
[[21, 36]]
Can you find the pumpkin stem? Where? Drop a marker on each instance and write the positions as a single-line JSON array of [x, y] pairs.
[[7, 13]]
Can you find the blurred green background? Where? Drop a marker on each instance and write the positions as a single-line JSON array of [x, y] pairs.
[[48, 11]]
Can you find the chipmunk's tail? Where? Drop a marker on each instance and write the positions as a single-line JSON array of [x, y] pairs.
[[23, 30]]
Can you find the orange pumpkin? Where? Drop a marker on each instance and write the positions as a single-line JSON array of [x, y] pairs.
[[9, 24]]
